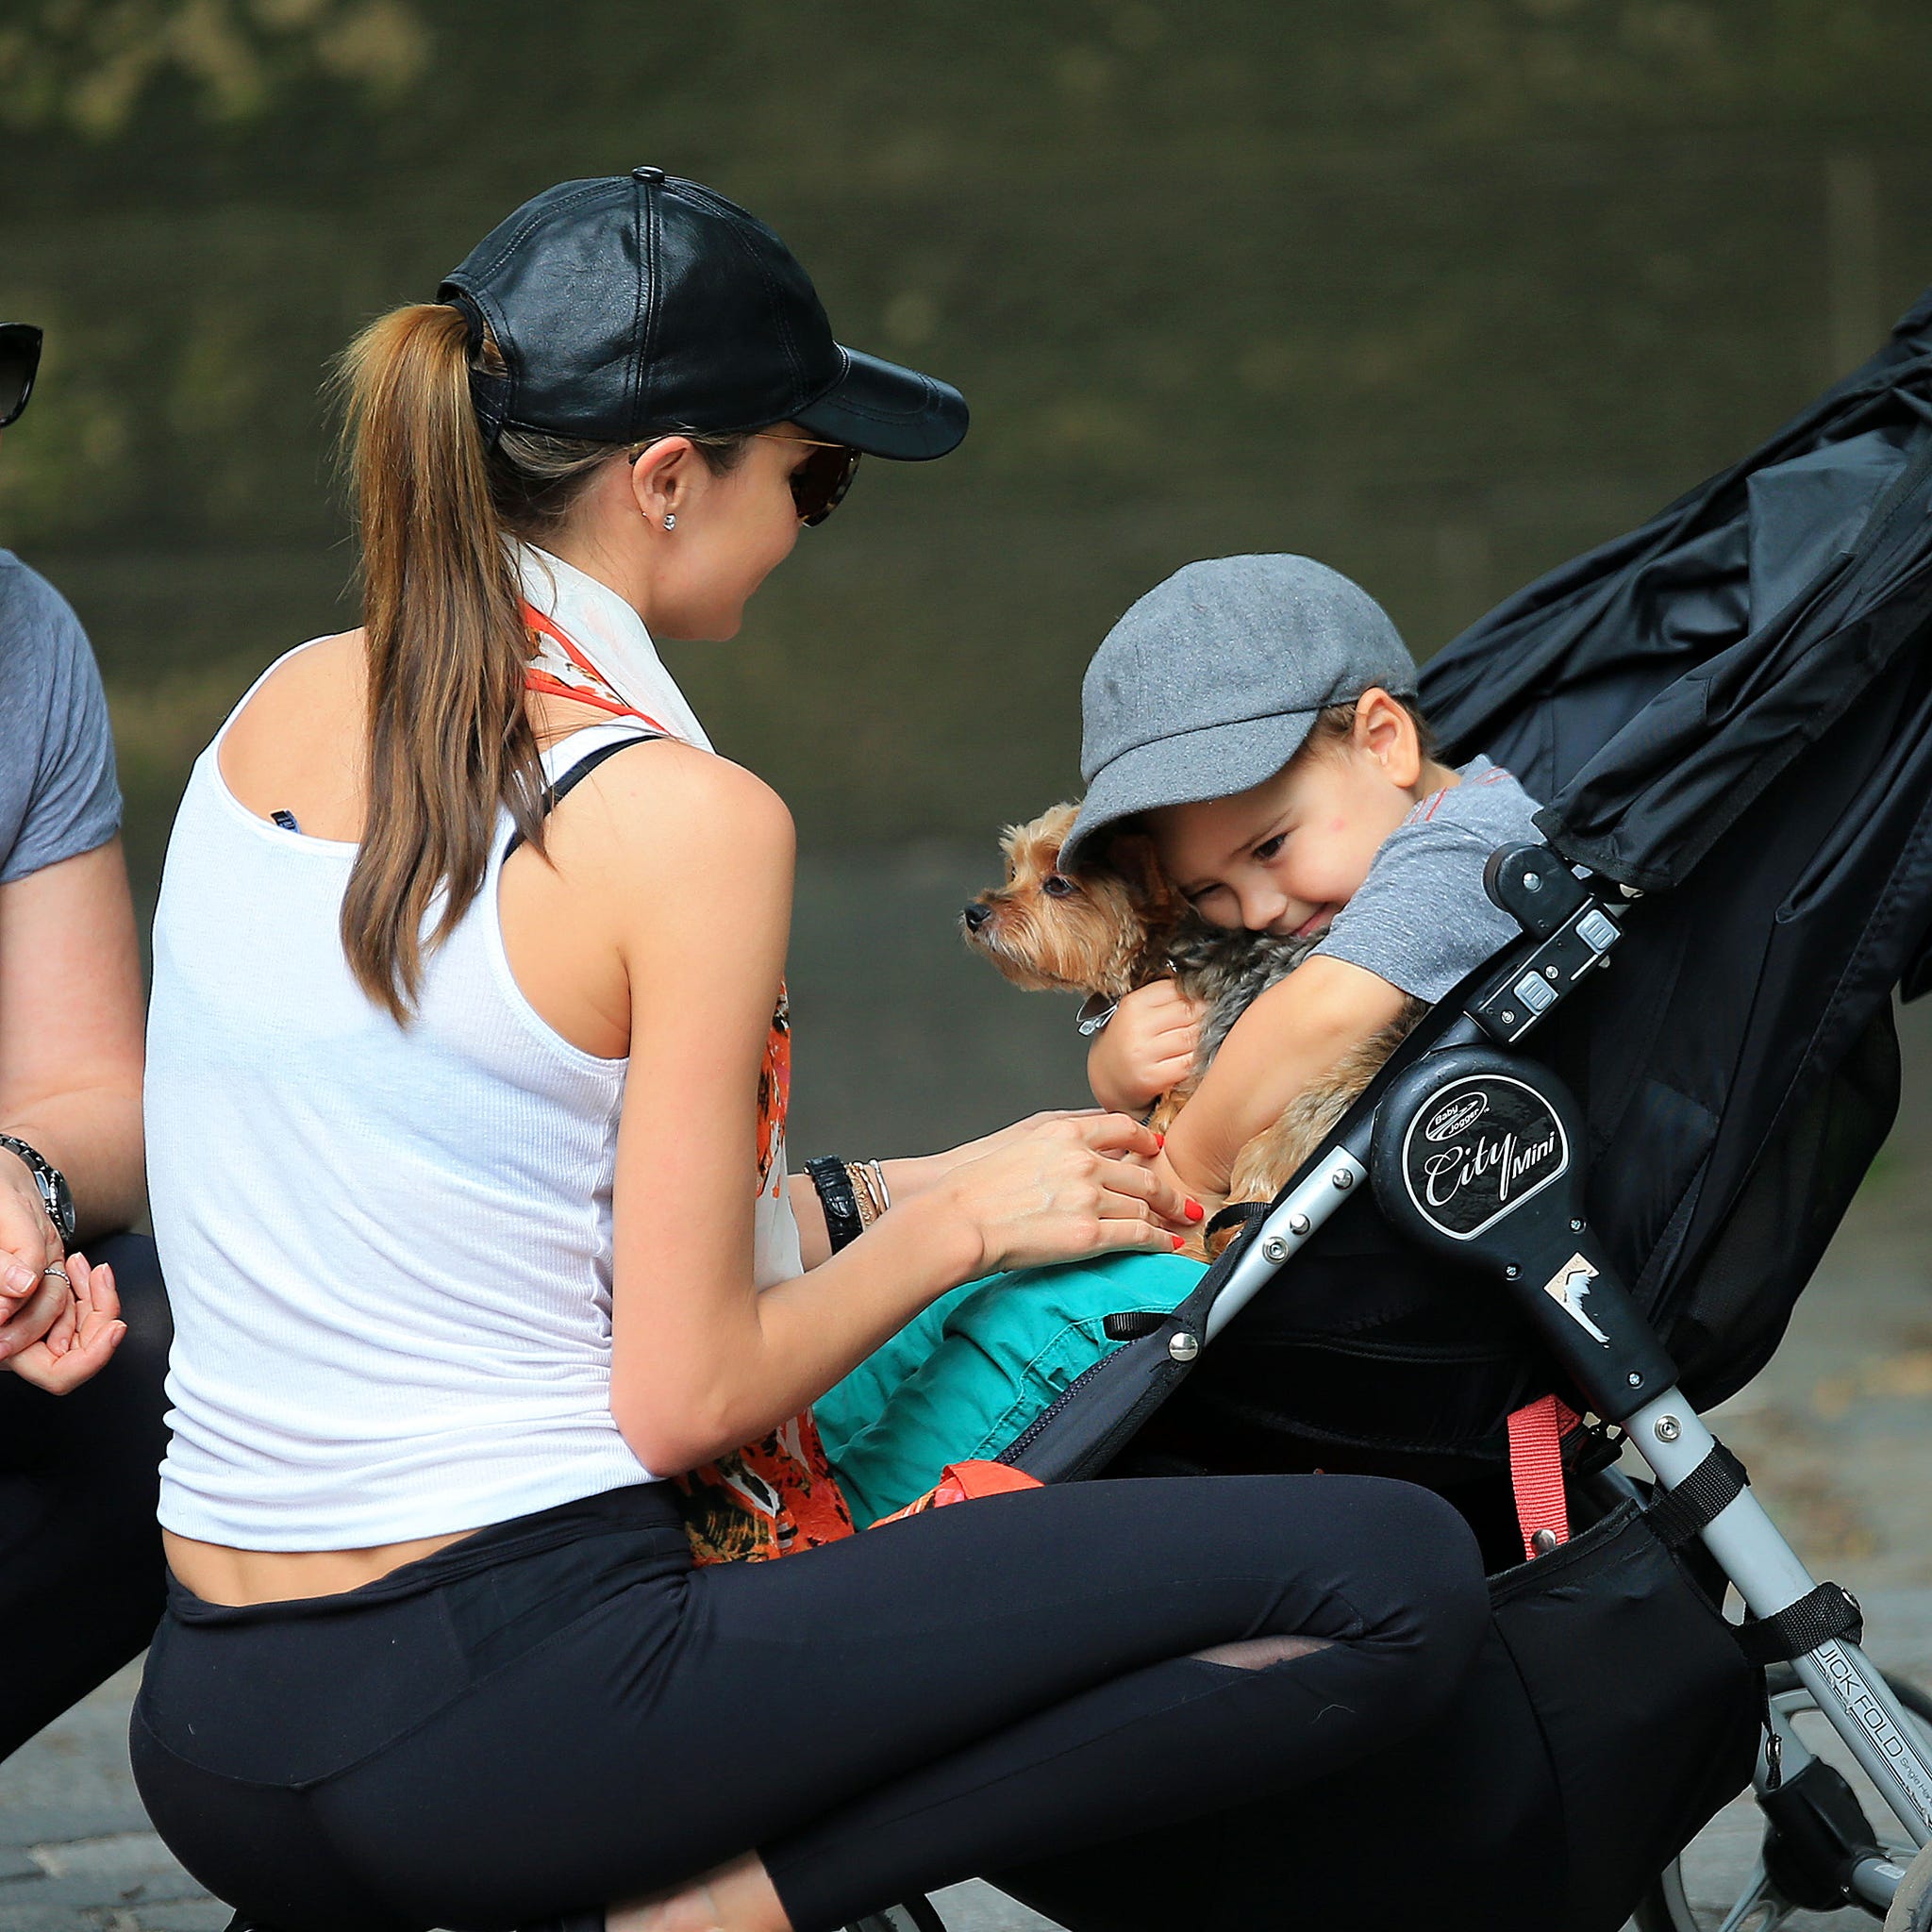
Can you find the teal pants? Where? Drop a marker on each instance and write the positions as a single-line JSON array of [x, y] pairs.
[[961, 1380]]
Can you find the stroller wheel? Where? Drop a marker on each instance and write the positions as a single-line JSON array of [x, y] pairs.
[[1719, 1879], [915, 1915]]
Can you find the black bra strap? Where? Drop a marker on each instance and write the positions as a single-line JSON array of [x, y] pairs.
[[577, 774]]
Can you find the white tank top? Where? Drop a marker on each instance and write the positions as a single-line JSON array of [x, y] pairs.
[[387, 1248]]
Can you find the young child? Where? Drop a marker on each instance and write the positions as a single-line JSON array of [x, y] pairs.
[[1255, 716]]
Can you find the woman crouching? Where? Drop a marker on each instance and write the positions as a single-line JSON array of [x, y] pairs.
[[466, 1102]]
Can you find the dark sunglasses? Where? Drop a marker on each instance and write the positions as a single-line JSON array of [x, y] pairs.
[[19, 358], [819, 484]]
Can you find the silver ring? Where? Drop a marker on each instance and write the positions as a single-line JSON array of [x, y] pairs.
[[59, 1274]]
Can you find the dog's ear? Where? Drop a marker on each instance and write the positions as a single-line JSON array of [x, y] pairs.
[[1050, 830], [1038, 841], [1131, 855]]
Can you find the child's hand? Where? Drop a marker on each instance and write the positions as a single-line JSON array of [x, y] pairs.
[[1146, 1049]]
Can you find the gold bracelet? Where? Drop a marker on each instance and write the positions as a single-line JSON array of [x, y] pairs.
[[861, 1193], [869, 1190]]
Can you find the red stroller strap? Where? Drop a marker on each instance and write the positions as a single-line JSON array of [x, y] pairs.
[[1536, 1472]]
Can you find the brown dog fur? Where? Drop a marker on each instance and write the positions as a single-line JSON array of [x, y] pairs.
[[1109, 928]]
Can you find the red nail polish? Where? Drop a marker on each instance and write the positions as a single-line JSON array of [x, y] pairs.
[[1179, 1241], [1160, 1141], [1195, 1211]]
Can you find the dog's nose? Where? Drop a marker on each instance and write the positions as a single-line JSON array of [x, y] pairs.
[[974, 916]]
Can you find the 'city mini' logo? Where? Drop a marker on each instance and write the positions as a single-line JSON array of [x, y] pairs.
[[1498, 1165]]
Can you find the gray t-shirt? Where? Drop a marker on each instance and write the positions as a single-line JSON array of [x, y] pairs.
[[1422, 919], [57, 788]]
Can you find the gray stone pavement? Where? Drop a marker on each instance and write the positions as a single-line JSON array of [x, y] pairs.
[[1836, 1431]]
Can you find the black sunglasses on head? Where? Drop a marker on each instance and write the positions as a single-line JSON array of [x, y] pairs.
[[20, 358]]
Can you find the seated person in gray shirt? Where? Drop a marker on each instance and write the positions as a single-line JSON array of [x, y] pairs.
[[82, 1348], [1256, 717]]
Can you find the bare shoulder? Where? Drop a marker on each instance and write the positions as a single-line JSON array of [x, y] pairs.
[[661, 810], [296, 745], [309, 673], [313, 681]]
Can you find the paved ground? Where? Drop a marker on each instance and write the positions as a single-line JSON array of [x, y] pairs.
[[1837, 1433]]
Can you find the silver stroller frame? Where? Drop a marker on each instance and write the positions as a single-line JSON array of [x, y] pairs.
[[1508, 1195]]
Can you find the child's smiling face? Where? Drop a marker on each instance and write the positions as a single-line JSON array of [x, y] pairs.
[[1284, 856]]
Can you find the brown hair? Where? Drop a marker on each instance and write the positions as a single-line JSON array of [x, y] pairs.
[[1334, 722], [449, 742]]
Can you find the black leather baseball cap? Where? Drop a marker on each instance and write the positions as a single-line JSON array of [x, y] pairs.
[[634, 305]]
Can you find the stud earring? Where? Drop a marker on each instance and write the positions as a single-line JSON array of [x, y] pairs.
[[671, 522]]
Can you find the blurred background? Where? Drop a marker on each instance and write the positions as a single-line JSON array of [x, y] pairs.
[[1439, 290]]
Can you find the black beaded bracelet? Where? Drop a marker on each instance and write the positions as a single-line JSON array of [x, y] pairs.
[[837, 1198]]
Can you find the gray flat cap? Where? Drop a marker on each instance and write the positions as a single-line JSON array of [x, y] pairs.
[[1211, 683]]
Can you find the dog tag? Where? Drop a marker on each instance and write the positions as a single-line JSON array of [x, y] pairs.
[[1096, 1010]]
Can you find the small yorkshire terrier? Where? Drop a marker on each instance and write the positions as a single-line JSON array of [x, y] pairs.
[[1107, 929]]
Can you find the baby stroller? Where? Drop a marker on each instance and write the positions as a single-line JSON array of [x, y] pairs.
[[1520, 1256]]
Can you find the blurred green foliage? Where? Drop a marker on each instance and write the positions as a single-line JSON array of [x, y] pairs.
[[88, 67], [1440, 291]]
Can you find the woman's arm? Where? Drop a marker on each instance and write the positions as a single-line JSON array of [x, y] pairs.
[[905, 1177], [70, 1075], [699, 865], [908, 1175], [1292, 1035]]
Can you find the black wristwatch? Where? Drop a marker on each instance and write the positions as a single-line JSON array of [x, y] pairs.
[[56, 1195], [834, 1185]]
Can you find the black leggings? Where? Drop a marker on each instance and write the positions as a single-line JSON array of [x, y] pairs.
[[80, 1558], [561, 1711]]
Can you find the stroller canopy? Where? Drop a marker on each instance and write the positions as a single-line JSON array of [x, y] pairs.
[[1727, 711]]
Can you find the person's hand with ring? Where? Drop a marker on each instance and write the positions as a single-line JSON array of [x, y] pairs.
[[59, 1318], [75, 1339]]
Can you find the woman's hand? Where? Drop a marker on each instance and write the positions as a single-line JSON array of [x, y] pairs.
[[910, 1175], [1146, 1049], [85, 1330], [1062, 1186]]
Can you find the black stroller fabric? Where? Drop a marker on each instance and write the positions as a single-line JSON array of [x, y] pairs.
[[1727, 711]]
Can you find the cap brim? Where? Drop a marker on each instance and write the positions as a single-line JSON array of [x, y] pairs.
[[887, 411], [1216, 762]]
